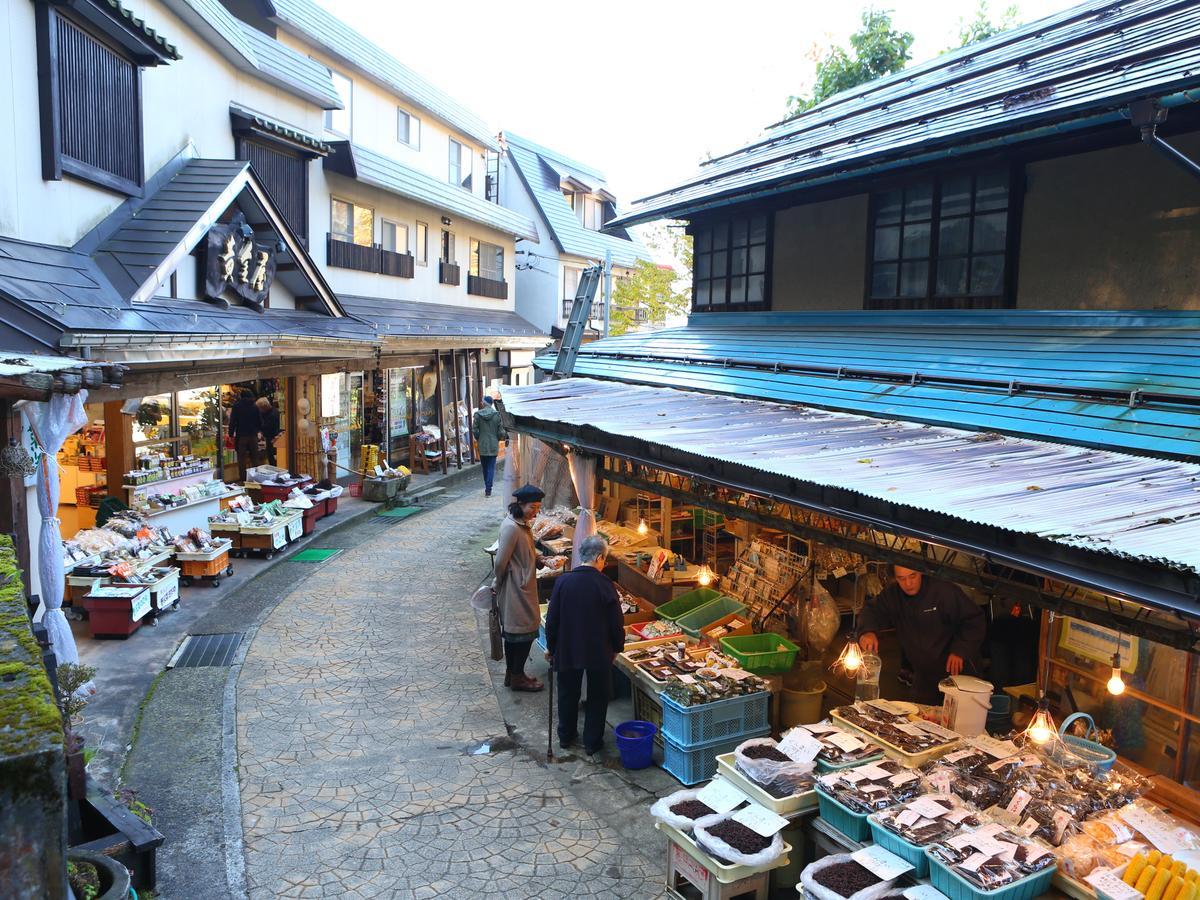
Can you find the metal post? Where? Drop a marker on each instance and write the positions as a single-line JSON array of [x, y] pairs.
[[607, 290], [454, 406], [467, 358], [441, 411]]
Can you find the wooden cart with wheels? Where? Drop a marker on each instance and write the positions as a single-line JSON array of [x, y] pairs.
[[207, 564]]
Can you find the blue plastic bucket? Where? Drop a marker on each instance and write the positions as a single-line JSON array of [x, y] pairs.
[[635, 743]]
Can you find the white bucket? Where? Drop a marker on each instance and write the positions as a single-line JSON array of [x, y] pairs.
[[967, 702]]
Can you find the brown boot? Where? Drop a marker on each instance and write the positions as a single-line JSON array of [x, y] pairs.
[[526, 684]]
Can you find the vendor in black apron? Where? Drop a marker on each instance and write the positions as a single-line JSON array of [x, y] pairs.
[[940, 630]]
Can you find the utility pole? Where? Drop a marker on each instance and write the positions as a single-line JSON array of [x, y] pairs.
[[607, 290]]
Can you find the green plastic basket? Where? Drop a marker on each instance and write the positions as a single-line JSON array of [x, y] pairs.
[[760, 653], [703, 616], [686, 603]]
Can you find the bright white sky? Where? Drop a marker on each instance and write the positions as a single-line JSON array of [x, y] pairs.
[[641, 90]]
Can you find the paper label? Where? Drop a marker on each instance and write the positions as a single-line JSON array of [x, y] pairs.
[[873, 772], [884, 864], [1034, 852], [889, 707], [1062, 820], [853, 776], [990, 830], [989, 845], [940, 781], [907, 817], [928, 807], [902, 778], [1020, 800], [1165, 838], [824, 728], [957, 755], [686, 679], [1028, 827], [847, 743], [760, 820], [720, 796], [956, 815], [959, 841], [1108, 884], [910, 729], [937, 730], [735, 674], [1008, 851], [800, 745], [994, 747], [973, 862], [923, 892]]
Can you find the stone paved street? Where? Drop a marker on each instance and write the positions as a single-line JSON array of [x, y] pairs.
[[359, 704]]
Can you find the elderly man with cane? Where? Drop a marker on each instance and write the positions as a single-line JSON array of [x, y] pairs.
[[584, 633]]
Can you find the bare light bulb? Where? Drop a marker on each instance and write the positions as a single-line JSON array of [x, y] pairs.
[[1041, 728], [1116, 684], [642, 526], [705, 577], [853, 660]]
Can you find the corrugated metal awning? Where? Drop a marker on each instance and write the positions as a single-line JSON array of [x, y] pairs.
[[1063, 504]]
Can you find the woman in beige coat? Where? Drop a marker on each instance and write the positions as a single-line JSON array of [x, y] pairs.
[[516, 587]]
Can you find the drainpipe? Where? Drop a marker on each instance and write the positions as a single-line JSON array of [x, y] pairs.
[[1146, 116]]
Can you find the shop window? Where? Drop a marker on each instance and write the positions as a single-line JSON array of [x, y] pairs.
[[730, 264], [340, 121], [486, 276], [408, 129], [941, 243], [422, 244]]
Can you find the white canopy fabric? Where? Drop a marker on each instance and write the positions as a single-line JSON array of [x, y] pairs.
[[583, 476], [51, 422]]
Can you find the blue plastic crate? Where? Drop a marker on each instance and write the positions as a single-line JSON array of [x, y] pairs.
[[910, 853], [691, 765], [956, 887], [740, 717], [853, 825], [824, 768]]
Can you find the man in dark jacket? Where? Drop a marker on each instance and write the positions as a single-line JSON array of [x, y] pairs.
[[245, 425], [584, 633], [941, 630], [270, 426], [488, 430]]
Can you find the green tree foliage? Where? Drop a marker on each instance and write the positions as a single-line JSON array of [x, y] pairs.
[[876, 49], [660, 290], [981, 25]]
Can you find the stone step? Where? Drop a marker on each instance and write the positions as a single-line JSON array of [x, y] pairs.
[[423, 494]]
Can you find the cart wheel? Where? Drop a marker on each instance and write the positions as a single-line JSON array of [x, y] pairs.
[[214, 581], [270, 554], [186, 581], [229, 570]]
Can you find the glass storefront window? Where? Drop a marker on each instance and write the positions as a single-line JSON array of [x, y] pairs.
[[152, 421], [199, 413]]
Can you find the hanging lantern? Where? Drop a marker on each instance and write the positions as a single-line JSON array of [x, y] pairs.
[[15, 461], [1041, 729], [705, 577], [1116, 684]]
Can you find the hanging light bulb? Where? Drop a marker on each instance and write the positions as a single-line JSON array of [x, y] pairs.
[[705, 577], [851, 658], [1041, 729], [642, 526], [1116, 684]]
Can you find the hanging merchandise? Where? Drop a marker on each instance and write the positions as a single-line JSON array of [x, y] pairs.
[[821, 621]]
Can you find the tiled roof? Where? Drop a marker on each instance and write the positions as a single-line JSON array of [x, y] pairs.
[[313, 23], [278, 128], [369, 167], [413, 318], [133, 23], [1078, 68], [542, 172]]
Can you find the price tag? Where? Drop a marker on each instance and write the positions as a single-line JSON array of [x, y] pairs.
[[1034, 852], [994, 747], [973, 862], [956, 815], [908, 817], [800, 745], [923, 892], [990, 845], [957, 756], [735, 674], [1020, 800], [1165, 838], [1062, 820], [720, 796], [940, 781], [928, 807], [890, 707], [990, 830], [873, 772], [910, 729], [1028, 827], [937, 730], [883, 864], [1109, 885], [902, 778], [760, 820], [824, 728], [686, 679], [847, 743], [852, 776]]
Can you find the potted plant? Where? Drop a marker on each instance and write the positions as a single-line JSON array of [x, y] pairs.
[[72, 700], [94, 876]]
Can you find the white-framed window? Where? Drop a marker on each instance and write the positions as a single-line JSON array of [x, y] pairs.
[[394, 236], [339, 121], [592, 213], [351, 223], [487, 260], [422, 244], [569, 196], [570, 287], [460, 165], [408, 129]]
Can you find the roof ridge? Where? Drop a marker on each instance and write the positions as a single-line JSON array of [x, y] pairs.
[[542, 150]]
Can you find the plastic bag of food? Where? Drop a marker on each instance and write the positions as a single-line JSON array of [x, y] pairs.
[[1108, 830], [761, 760], [733, 843], [821, 620], [1078, 856], [681, 809], [839, 877]]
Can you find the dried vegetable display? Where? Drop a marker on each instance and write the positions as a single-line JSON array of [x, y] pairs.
[[772, 768], [195, 541], [845, 878], [872, 787], [900, 730], [839, 746], [991, 856], [658, 628], [929, 818]]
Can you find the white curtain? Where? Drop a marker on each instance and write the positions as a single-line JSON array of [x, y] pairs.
[[583, 476], [52, 421]]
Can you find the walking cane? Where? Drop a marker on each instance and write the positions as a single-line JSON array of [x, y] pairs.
[[550, 725]]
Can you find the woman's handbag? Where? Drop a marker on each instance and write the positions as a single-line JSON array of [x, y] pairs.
[[485, 599]]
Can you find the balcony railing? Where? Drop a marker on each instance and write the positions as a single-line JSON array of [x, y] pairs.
[[487, 287], [398, 264], [449, 273]]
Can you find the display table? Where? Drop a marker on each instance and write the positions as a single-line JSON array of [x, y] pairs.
[[193, 514], [116, 611]]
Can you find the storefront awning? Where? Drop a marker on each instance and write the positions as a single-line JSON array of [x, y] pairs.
[[1117, 523]]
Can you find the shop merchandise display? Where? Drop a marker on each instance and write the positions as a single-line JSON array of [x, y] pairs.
[[158, 467], [553, 565], [991, 856], [842, 876], [902, 731], [839, 746], [125, 536], [769, 766], [693, 674], [732, 843], [929, 818], [681, 809], [724, 630], [872, 787], [657, 628], [150, 502]]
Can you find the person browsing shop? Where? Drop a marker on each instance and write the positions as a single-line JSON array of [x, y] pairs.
[[584, 632], [939, 628], [516, 590], [270, 426], [488, 433], [245, 426]]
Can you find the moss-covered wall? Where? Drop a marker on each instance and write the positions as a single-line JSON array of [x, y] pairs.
[[32, 770]]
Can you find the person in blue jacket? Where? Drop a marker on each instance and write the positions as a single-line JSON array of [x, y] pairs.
[[584, 633]]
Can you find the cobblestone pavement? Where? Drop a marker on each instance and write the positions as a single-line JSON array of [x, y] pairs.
[[359, 704]]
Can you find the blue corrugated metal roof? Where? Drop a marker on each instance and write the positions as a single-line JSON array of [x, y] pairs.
[[373, 168], [1068, 376], [321, 27], [542, 172], [1079, 67], [1110, 503]]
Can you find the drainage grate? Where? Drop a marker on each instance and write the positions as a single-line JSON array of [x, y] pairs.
[[313, 554], [206, 650], [400, 512]]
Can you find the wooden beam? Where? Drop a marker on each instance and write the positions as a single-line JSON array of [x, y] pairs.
[[118, 445]]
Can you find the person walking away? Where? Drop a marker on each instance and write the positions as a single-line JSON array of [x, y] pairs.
[[245, 426], [940, 629], [488, 432], [270, 425], [584, 632], [516, 587]]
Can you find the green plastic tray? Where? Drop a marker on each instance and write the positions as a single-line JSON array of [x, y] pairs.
[[703, 616], [686, 603], [759, 653]]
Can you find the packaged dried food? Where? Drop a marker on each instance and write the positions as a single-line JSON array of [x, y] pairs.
[[840, 877], [761, 760], [681, 809], [992, 856], [734, 844], [872, 787], [928, 818]]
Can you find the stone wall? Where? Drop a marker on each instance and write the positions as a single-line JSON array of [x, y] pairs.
[[32, 771]]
